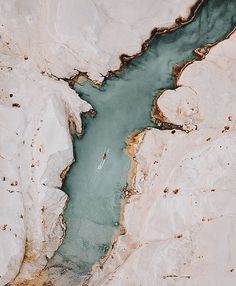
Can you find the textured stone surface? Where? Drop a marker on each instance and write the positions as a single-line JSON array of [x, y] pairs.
[[63, 36], [181, 228], [35, 148]]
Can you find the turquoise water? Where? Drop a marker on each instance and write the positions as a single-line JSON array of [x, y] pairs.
[[124, 105]]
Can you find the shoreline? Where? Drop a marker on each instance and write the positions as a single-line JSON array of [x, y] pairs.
[[132, 148], [143, 133], [126, 59]]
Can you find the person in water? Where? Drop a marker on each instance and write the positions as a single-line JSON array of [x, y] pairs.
[[104, 156]]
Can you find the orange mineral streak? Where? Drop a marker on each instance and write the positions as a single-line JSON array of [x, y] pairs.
[[30, 256], [157, 114], [134, 142], [40, 280]]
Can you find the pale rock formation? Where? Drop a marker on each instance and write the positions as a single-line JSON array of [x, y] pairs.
[[35, 148], [181, 229], [62, 36]]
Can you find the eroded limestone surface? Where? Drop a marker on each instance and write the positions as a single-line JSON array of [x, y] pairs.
[[181, 229], [64, 36], [35, 148]]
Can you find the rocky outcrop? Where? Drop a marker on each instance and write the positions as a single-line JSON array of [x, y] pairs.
[[62, 37], [180, 229], [35, 148]]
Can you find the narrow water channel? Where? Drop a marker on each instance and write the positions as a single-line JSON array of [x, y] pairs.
[[124, 105]]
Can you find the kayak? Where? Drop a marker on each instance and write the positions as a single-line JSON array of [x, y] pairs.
[[100, 166]]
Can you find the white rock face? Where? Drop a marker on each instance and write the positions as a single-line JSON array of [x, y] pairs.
[[181, 229], [35, 148], [62, 36], [37, 39]]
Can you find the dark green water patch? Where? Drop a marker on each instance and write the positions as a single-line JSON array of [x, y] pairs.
[[124, 105]]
